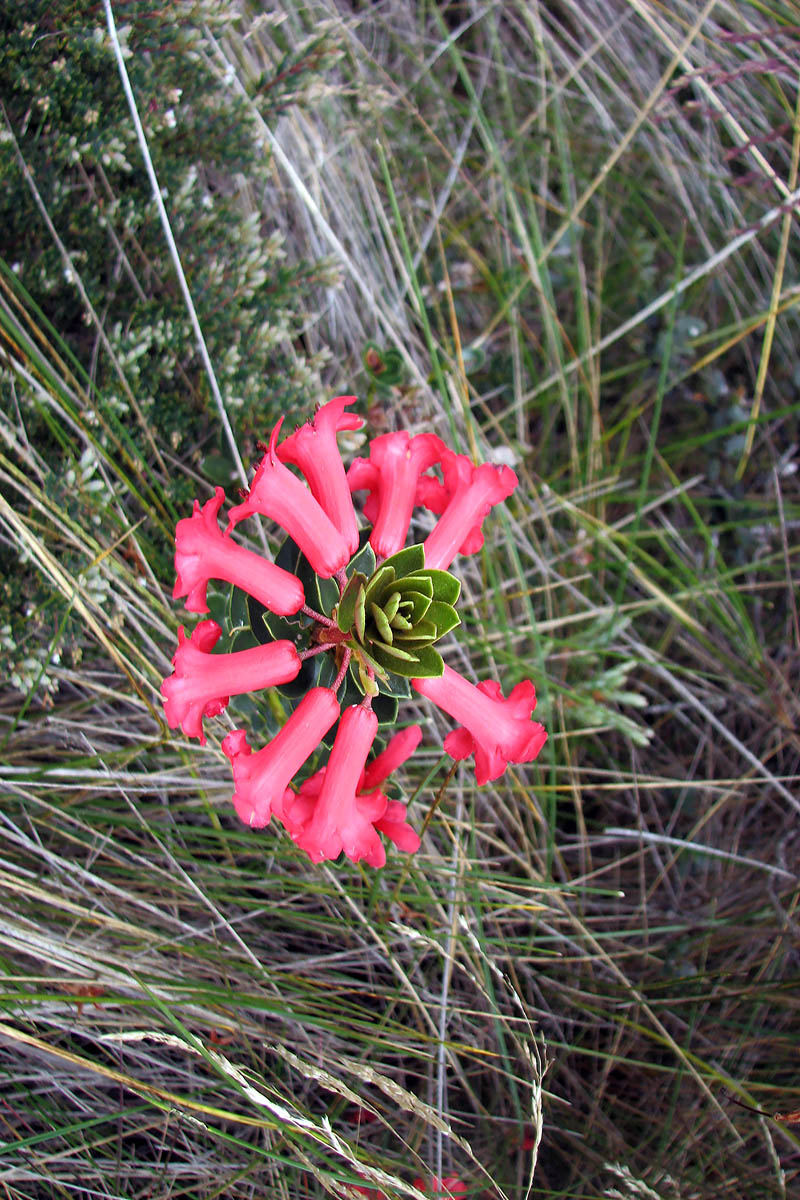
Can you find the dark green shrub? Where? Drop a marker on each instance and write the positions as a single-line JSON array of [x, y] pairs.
[[66, 119]]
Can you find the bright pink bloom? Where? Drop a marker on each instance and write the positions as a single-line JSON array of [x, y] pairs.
[[497, 730], [362, 476], [451, 1185], [203, 552], [394, 825], [470, 493], [388, 816], [400, 748], [203, 683], [313, 449], [261, 779], [341, 820], [277, 493], [392, 472]]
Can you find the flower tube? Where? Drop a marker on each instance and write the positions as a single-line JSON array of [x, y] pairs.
[[277, 493], [261, 779], [471, 492], [203, 552], [399, 460], [313, 449], [496, 729], [400, 748], [203, 683], [339, 822], [388, 816]]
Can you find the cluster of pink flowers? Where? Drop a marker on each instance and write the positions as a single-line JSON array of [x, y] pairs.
[[341, 807]]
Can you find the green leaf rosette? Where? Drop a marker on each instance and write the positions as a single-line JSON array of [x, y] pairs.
[[395, 616]]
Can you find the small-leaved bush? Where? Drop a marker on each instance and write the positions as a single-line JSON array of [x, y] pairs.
[[85, 254]]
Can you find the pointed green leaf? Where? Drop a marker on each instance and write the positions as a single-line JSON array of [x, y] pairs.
[[237, 613], [431, 664], [269, 627], [415, 583], [400, 622], [407, 561], [360, 613], [296, 688], [423, 631], [382, 576], [381, 624], [240, 639], [346, 612], [327, 591], [419, 606], [408, 666], [391, 606], [363, 560], [288, 556], [385, 709], [445, 586], [388, 654], [443, 616]]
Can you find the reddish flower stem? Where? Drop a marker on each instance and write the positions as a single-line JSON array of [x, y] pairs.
[[320, 618], [337, 683], [304, 654]]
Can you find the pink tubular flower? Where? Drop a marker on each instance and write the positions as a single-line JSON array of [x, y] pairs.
[[203, 683], [277, 493], [341, 820], [261, 779], [387, 816], [470, 492], [400, 748], [392, 472], [313, 449], [497, 730], [203, 552]]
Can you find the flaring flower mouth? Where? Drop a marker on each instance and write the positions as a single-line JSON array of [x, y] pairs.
[[496, 729], [392, 474], [313, 449], [275, 492], [464, 499], [262, 778], [340, 627], [203, 683], [203, 552]]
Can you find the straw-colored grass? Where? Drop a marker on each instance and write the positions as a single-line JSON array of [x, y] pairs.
[[574, 226]]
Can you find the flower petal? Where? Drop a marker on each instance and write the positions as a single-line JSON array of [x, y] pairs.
[[400, 748], [203, 552], [314, 450], [277, 493], [261, 779], [202, 682], [399, 461], [472, 491], [338, 823], [500, 728]]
